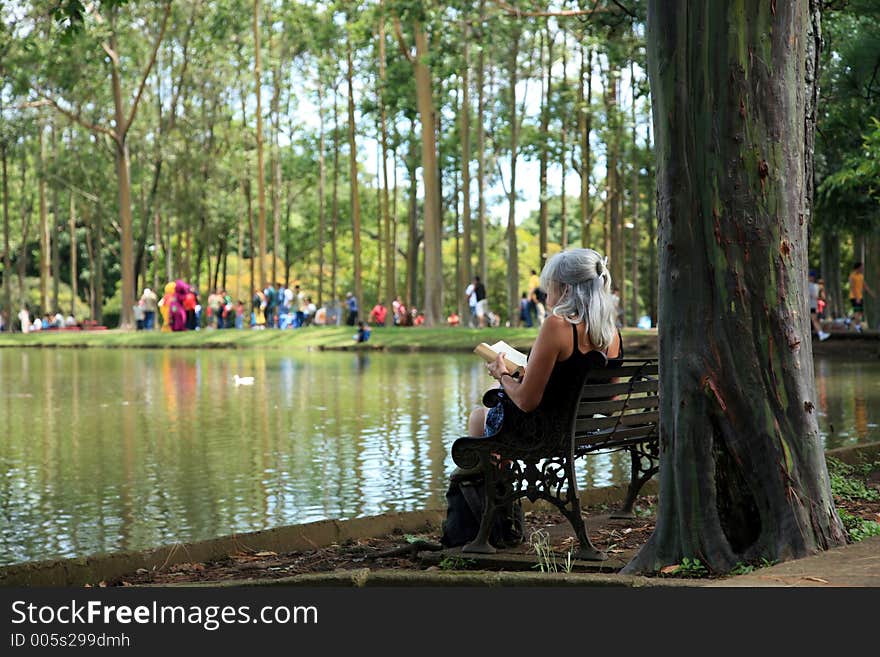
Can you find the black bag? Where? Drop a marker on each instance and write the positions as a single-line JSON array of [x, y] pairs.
[[464, 508]]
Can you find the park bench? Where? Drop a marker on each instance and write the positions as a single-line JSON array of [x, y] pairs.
[[537, 461]]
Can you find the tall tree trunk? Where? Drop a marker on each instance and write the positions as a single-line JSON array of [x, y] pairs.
[[276, 171], [7, 261], [512, 254], [261, 188], [543, 212], [831, 273], [585, 120], [56, 230], [634, 199], [74, 273], [563, 164], [872, 277], [482, 265], [743, 473], [433, 301], [334, 225], [412, 259], [322, 183], [355, 198], [615, 194], [652, 240], [466, 268], [386, 214], [253, 259], [45, 235]]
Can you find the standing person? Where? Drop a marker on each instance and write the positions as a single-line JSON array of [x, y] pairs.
[[138, 310], [178, 314], [189, 302], [260, 306], [482, 301], [299, 305], [165, 307], [813, 297], [378, 314], [287, 305], [535, 293], [150, 307], [239, 314], [525, 310], [271, 304], [857, 288], [471, 296], [310, 311], [214, 301], [352, 304], [24, 319], [618, 311]]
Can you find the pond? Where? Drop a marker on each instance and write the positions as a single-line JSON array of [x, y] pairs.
[[107, 450]]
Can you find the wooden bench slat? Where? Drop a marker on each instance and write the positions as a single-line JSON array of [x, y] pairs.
[[611, 389], [609, 438], [634, 419], [624, 371], [614, 405]]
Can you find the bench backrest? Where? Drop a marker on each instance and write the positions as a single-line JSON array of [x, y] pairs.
[[615, 415]]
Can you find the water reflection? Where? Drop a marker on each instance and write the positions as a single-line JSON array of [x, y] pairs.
[[105, 450]]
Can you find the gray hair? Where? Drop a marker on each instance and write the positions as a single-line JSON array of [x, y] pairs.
[[581, 279]]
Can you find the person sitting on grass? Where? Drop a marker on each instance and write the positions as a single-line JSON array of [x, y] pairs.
[[363, 333]]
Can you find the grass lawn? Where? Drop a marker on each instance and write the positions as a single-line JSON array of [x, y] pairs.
[[395, 339]]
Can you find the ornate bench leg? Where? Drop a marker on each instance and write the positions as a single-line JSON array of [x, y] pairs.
[[587, 551], [638, 478]]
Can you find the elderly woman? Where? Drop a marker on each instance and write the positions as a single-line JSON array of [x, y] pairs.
[[581, 319]]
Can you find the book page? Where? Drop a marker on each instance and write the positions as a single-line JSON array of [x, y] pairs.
[[511, 354]]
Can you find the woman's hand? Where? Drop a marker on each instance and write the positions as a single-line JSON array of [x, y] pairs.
[[497, 368]]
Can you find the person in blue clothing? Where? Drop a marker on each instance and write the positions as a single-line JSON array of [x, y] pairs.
[[525, 313], [352, 304], [363, 333]]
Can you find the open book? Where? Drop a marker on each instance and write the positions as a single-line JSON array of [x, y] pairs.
[[515, 360]]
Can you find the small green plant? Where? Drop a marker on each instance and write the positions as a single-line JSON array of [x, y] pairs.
[[539, 540], [857, 528], [845, 482], [688, 567], [746, 568], [455, 562]]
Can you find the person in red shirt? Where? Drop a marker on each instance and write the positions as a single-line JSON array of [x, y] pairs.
[[378, 314]]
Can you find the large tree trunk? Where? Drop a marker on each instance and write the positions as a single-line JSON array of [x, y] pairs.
[[652, 241], [412, 250], [56, 230], [433, 301], [615, 188], [634, 199], [334, 220], [872, 278], [261, 187], [563, 165], [743, 472], [353, 186], [512, 255]]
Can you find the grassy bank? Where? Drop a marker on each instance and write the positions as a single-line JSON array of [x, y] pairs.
[[394, 339]]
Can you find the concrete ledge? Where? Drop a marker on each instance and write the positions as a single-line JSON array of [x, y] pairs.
[[365, 577], [97, 568]]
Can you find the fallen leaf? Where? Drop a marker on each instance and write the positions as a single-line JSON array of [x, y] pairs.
[[668, 570], [267, 553]]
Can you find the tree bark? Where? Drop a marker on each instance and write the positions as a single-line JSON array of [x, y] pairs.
[[322, 183], [433, 301], [74, 274], [831, 272], [585, 120], [634, 199], [261, 188], [45, 235], [276, 172], [56, 230], [615, 188], [466, 268], [353, 184], [386, 214], [482, 265], [7, 261], [563, 165], [743, 473], [543, 212], [512, 255], [412, 260]]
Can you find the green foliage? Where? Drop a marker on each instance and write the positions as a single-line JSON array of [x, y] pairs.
[[845, 484], [689, 568], [455, 562], [858, 529], [746, 568]]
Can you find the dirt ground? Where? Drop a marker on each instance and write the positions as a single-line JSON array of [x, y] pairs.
[[619, 538]]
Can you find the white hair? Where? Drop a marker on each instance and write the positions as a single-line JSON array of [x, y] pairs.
[[582, 283]]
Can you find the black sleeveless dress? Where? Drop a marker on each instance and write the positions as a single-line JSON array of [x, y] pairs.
[[560, 393]]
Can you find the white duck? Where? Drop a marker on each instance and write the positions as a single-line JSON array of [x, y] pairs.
[[243, 380]]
